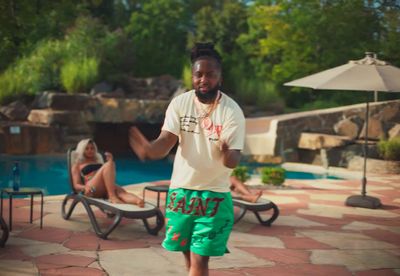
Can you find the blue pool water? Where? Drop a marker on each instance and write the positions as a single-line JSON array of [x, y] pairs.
[[50, 172], [252, 168]]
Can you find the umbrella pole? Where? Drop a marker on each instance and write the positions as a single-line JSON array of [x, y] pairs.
[[364, 179], [363, 200]]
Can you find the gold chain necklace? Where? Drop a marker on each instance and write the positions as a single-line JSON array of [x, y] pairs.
[[204, 118]]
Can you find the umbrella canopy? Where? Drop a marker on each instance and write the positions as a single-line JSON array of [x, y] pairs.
[[367, 74]]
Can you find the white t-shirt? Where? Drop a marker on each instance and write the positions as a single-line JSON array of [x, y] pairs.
[[198, 161]]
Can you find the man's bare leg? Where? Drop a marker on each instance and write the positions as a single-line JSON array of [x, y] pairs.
[[198, 265], [186, 254]]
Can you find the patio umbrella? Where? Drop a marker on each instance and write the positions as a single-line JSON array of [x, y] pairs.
[[367, 74]]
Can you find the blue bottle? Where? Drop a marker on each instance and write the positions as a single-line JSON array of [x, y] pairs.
[[16, 177]]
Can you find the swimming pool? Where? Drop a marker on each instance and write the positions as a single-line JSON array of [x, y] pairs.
[[50, 172]]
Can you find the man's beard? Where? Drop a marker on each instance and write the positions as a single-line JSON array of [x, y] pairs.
[[209, 96]]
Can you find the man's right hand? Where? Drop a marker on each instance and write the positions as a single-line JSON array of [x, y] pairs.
[[139, 144]]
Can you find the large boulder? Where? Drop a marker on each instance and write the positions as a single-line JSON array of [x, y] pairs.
[[15, 111], [57, 117], [61, 101], [313, 141], [117, 93], [156, 88], [102, 87], [113, 110], [375, 129], [394, 131], [389, 113], [346, 127], [374, 165]]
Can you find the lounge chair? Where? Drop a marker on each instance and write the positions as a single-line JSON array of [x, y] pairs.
[[4, 229], [262, 205], [112, 210]]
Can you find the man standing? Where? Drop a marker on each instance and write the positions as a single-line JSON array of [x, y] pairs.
[[210, 128]]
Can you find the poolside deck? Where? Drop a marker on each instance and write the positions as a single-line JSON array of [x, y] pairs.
[[315, 234]]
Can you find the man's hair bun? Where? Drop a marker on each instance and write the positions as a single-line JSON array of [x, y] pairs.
[[204, 50]]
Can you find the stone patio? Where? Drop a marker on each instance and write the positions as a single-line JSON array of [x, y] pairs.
[[315, 234]]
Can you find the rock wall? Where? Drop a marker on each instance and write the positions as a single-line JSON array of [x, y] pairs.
[[24, 138], [58, 121], [55, 121], [329, 137], [383, 117], [334, 133]]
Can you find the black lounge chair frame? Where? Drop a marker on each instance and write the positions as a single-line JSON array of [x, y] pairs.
[[256, 209], [4, 235], [111, 210]]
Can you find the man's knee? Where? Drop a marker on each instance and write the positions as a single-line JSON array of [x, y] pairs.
[[199, 262]]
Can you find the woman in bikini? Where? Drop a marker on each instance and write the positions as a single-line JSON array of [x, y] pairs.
[[97, 179]]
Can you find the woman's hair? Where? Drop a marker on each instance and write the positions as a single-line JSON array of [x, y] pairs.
[[205, 50], [80, 150]]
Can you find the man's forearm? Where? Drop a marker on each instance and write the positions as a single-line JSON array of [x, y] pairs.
[[231, 158], [160, 147], [157, 150]]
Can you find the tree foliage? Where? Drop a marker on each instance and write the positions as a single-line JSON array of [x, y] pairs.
[[87, 53], [158, 31], [263, 43], [292, 39]]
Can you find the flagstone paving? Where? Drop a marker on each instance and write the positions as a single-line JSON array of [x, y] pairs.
[[315, 234]]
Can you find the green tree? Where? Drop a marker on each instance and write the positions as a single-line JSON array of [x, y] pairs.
[[221, 25], [25, 23], [294, 38], [222, 22], [159, 33], [390, 30], [89, 52]]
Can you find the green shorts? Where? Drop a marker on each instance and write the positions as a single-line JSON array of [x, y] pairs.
[[198, 221]]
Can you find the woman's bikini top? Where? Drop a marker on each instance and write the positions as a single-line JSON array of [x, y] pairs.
[[90, 168]]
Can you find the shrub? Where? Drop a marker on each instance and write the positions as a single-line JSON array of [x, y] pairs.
[[117, 56], [187, 77], [87, 52], [79, 76], [30, 74], [241, 173], [275, 176], [390, 149]]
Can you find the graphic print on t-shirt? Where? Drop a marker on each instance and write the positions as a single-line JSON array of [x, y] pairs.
[[192, 124], [189, 123]]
